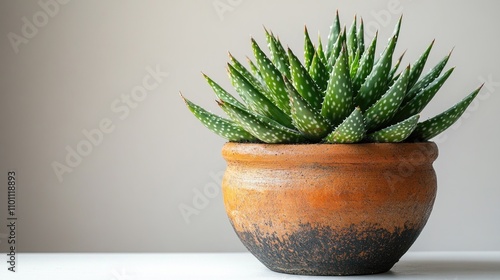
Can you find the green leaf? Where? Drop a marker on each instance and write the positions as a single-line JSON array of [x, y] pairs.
[[396, 67], [221, 93], [308, 49], [395, 133], [394, 79], [387, 105], [427, 79], [338, 99], [352, 41], [319, 51], [319, 73], [365, 65], [305, 118], [377, 81], [255, 71], [303, 82], [255, 100], [361, 38], [354, 64], [273, 79], [262, 87], [434, 126], [333, 35], [418, 66], [278, 54], [351, 130], [418, 103], [261, 127], [222, 127], [337, 47]]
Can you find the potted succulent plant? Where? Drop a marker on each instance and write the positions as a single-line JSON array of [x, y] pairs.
[[329, 171]]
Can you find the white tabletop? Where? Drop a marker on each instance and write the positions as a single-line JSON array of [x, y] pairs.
[[234, 266]]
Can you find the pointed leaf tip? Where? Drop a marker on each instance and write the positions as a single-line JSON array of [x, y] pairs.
[[351, 130], [434, 126]]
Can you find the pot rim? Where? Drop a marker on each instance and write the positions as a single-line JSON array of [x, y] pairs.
[[367, 153]]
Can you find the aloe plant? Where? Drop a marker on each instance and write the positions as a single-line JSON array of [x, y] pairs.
[[340, 93]]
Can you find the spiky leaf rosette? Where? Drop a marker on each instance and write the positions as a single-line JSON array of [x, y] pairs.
[[340, 92]]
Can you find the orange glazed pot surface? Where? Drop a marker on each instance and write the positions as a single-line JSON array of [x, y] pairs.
[[329, 209]]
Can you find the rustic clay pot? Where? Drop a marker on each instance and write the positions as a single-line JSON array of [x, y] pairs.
[[323, 209]]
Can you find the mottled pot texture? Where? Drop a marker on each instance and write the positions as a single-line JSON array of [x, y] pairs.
[[329, 209]]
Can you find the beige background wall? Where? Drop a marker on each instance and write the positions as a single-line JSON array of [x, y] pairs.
[[102, 78]]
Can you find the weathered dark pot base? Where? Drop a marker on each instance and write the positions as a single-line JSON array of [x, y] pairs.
[[323, 251]]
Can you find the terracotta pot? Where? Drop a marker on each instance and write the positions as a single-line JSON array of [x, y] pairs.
[[324, 209]]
